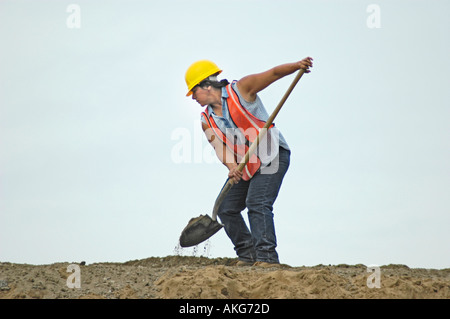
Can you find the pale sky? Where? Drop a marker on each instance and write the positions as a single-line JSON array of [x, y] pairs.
[[92, 119]]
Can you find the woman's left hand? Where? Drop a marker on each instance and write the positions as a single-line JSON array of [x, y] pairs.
[[305, 64]]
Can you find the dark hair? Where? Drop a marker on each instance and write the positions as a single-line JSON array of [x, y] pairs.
[[214, 84], [212, 81]]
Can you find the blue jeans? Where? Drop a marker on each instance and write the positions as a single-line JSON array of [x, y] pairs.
[[258, 196]]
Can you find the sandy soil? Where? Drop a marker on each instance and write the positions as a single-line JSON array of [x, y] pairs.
[[183, 277]]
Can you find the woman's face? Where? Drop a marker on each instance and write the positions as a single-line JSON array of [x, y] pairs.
[[201, 95]]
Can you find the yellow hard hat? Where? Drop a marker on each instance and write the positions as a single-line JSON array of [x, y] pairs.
[[198, 71]]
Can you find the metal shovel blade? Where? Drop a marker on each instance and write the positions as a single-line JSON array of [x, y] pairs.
[[199, 229]]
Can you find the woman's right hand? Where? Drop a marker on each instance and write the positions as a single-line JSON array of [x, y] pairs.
[[234, 174]]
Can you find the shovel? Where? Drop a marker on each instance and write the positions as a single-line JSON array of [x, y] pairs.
[[202, 227]]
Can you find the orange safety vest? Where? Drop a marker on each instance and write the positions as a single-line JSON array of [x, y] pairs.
[[247, 123]]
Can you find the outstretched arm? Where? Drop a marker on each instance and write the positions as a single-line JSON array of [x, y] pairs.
[[250, 85]]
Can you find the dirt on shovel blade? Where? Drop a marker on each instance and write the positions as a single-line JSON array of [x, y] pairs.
[[198, 229]]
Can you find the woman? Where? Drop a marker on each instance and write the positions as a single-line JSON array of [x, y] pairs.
[[233, 112]]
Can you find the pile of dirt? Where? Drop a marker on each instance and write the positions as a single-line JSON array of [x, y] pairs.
[[183, 277]]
